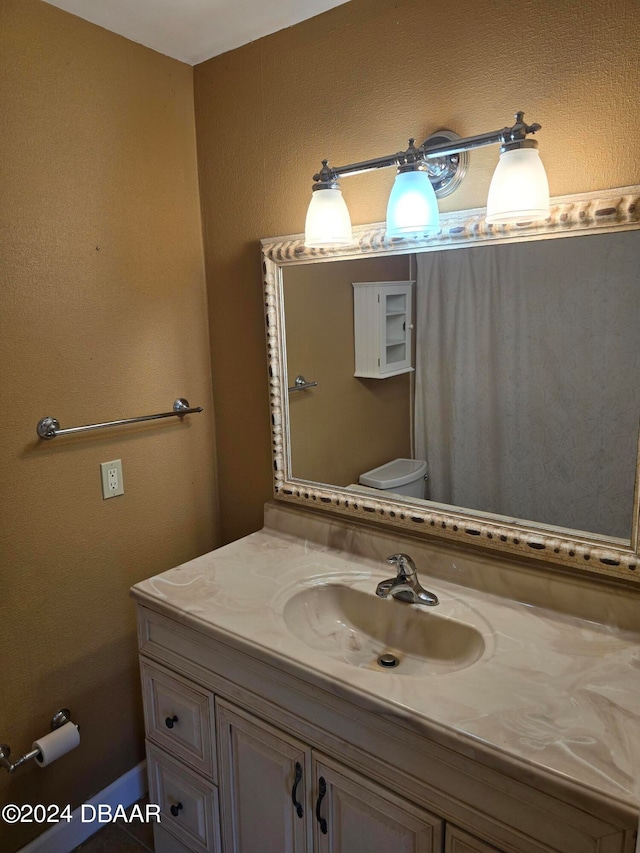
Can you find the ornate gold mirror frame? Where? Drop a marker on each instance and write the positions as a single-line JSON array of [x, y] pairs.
[[586, 213]]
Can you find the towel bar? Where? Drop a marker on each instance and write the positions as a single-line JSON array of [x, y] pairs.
[[49, 428]]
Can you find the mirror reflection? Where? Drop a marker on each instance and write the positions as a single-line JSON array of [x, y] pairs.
[[518, 393]]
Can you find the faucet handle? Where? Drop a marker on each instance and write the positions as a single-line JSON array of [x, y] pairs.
[[403, 563]]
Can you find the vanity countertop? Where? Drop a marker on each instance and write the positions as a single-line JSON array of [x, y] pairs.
[[553, 693]]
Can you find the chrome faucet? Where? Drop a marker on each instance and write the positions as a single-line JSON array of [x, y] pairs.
[[405, 585]]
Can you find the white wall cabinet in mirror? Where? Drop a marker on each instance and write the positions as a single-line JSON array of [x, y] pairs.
[[382, 324], [533, 390]]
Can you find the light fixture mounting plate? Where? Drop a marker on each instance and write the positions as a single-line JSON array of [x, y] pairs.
[[446, 172]]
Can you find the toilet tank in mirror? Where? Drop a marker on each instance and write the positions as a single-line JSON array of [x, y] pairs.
[[512, 419]]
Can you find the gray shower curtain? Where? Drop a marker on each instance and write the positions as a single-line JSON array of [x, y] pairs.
[[528, 379]]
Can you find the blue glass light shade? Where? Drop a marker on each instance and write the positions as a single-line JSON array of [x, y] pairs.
[[412, 210]]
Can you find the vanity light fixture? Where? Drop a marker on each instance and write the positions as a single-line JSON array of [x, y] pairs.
[[519, 190]]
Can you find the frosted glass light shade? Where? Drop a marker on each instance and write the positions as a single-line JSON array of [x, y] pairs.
[[328, 222], [519, 190], [412, 210]]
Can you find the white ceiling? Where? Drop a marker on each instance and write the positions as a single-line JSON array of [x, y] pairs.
[[194, 30]]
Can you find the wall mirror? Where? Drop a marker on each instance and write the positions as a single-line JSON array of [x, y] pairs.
[[501, 362]]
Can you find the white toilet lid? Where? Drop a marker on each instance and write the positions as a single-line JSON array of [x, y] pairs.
[[394, 474]]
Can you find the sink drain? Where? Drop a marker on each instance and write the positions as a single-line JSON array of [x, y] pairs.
[[388, 661]]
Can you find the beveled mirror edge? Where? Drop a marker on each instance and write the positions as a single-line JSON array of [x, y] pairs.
[[580, 214]]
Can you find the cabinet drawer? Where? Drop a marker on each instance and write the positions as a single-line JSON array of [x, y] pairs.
[[195, 817], [180, 717], [164, 842]]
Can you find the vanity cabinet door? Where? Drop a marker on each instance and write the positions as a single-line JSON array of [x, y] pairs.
[[263, 785], [458, 841], [355, 815]]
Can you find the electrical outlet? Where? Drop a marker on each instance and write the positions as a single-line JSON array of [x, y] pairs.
[[111, 475]]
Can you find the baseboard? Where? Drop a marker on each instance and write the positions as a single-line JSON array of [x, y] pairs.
[[64, 837]]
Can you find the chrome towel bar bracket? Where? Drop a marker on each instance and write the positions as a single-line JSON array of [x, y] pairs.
[[49, 428], [301, 384]]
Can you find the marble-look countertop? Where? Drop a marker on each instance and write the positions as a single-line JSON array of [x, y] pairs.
[[557, 693]]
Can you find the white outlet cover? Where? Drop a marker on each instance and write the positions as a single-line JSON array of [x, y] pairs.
[[111, 476]]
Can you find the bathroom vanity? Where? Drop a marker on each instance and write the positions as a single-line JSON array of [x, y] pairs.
[[505, 728]]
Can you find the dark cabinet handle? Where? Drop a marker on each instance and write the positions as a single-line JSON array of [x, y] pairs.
[[175, 810], [171, 721], [296, 782], [322, 790]]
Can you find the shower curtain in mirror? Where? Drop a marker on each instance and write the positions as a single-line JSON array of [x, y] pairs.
[[528, 379]]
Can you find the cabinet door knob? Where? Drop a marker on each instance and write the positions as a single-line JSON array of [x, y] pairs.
[[322, 790], [171, 721], [175, 809], [296, 782]]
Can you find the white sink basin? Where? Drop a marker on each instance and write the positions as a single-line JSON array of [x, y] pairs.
[[357, 627]]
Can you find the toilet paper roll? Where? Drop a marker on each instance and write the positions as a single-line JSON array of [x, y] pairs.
[[56, 743]]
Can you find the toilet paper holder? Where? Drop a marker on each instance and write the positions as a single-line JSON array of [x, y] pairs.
[[59, 719]]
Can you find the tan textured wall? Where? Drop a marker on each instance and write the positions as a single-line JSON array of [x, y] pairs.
[[347, 425], [103, 315], [354, 83]]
